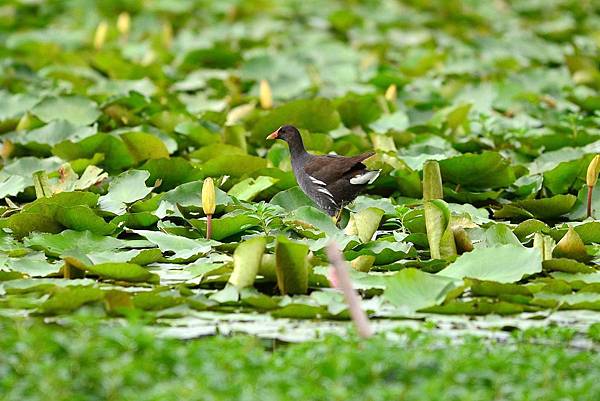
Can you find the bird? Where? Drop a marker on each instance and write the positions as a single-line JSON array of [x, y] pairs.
[[331, 181]]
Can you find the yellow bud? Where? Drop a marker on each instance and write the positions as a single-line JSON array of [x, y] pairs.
[[266, 97], [391, 93], [208, 196], [7, 149], [167, 34], [123, 23], [100, 35], [592, 171]]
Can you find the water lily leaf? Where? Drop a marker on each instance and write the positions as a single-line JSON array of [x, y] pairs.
[[246, 261], [571, 246], [579, 211], [143, 146], [116, 154], [478, 171], [185, 195], [500, 234], [123, 272], [365, 223], [222, 165], [62, 210], [397, 121], [545, 208], [68, 299], [135, 220], [124, 189], [318, 219], [181, 247], [77, 110], [316, 115], [494, 289], [412, 290], [249, 188], [68, 240], [528, 227], [385, 252], [55, 132], [359, 110], [12, 185], [229, 294], [33, 265], [588, 278], [589, 232], [227, 225], [477, 307], [171, 172], [14, 105], [567, 266], [291, 266], [17, 175], [292, 199], [505, 264], [567, 175]]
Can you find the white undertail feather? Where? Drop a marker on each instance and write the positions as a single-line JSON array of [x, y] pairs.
[[367, 178]]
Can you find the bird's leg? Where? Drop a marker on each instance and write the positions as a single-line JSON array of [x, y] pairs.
[[338, 216]]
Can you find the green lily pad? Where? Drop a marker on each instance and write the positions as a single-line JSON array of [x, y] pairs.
[[505, 264], [478, 171], [75, 109], [412, 290]]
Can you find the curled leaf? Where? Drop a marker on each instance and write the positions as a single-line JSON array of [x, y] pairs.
[[291, 266], [571, 246], [246, 262]]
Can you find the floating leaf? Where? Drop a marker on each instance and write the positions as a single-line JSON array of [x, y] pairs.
[[317, 115], [505, 264], [69, 298], [122, 271], [478, 171], [181, 247], [75, 109], [124, 189], [249, 188], [412, 289]]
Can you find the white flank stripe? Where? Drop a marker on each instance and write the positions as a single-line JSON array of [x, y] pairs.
[[325, 191], [315, 181]]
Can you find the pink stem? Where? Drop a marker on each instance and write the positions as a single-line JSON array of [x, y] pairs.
[[589, 201], [352, 299]]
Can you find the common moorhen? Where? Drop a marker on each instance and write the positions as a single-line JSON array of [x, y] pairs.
[[331, 181]]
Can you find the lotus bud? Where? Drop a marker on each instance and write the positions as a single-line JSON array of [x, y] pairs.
[[208, 203], [100, 35], [167, 34], [124, 23], [265, 94], [7, 149], [592, 171], [391, 93], [591, 180]]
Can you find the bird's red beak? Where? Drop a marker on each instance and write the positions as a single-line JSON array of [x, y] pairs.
[[273, 135]]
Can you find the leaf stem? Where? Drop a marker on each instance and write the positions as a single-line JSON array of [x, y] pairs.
[[208, 226], [589, 200]]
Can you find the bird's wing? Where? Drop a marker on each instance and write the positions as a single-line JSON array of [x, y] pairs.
[[324, 170]]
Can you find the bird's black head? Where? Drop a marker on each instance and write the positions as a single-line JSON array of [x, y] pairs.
[[285, 132]]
